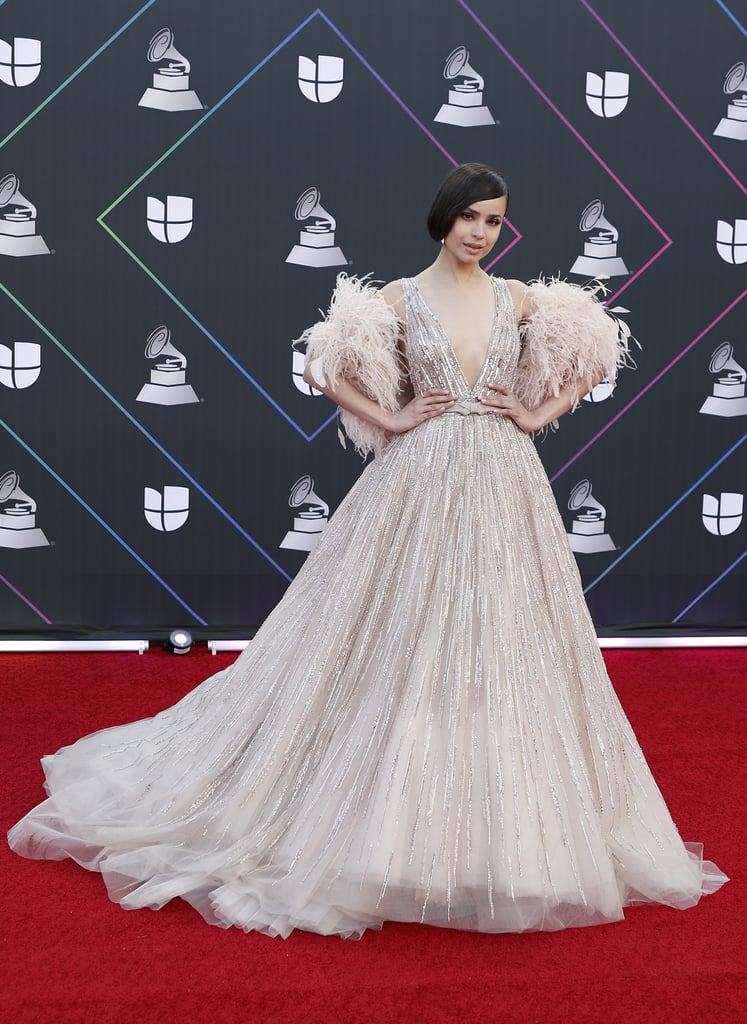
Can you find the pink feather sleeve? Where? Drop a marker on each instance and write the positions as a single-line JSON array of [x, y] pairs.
[[357, 340], [568, 338]]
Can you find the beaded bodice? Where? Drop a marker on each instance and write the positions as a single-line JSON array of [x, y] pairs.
[[431, 357]]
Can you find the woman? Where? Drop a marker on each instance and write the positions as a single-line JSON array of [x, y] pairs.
[[423, 729]]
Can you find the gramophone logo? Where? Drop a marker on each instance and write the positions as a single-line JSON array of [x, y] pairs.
[[20, 365], [723, 515], [167, 511], [608, 96], [728, 398], [170, 221], [311, 516], [316, 246], [734, 125], [299, 365], [170, 90], [464, 106], [589, 523], [600, 248], [168, 378], [20, 63], [18, 527], [321, 80], [18, 235], [731, 241]]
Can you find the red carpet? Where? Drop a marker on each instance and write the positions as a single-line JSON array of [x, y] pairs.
[[69, 955]]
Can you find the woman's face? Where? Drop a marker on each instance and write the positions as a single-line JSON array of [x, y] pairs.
[[475, 230]]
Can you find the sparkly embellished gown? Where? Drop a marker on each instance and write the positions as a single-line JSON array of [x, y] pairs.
[[422, 730]]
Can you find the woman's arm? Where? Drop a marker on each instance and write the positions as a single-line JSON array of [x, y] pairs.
[[344, 393], [348, 397], [570, 342], [505, 403]]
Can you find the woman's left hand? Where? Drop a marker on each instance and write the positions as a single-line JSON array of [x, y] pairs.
[[504, 402]]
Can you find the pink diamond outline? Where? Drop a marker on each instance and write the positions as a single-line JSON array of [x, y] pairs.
[[664, 96], [587, 146]]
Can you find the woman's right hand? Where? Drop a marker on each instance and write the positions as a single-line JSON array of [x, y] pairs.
[[433, 402]]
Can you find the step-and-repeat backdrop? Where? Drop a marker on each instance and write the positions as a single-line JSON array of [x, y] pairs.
[[180, 184]]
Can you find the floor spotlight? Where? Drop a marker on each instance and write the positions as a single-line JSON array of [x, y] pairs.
[[179, 642]]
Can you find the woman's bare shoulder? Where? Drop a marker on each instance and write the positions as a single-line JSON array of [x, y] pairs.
[[394, 294], [518, 290]]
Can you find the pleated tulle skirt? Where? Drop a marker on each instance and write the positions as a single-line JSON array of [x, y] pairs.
[[422, 730]]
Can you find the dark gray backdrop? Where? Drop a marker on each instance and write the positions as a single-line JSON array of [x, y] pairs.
[[88, 156]]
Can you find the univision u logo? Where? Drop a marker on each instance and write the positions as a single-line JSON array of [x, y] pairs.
[[321, 80], [170, 221], [166, 511], [20, 63], [731, 241], [608, 96], [20, 365], [722, 515]]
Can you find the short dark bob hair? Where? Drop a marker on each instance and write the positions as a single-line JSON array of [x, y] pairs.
[[468, 183]]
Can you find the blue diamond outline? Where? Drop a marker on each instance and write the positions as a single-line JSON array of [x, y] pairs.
[[216, 106]]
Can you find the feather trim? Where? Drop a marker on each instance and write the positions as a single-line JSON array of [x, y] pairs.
[[357, 340], [570, 337]]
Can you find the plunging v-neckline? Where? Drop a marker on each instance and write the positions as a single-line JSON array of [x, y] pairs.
[[450, 348]]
